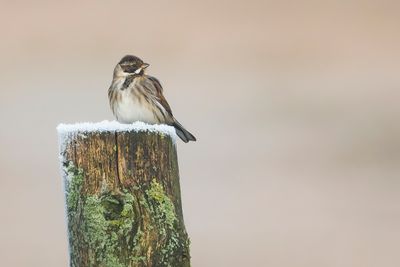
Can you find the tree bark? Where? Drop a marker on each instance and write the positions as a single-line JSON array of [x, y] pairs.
[[123, 200]]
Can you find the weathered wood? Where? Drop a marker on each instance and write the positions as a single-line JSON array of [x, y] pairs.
[[123, 200]]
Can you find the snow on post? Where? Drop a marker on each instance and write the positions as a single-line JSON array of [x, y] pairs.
[[122, 195]]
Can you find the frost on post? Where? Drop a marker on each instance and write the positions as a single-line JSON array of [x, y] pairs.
[[122, 195]]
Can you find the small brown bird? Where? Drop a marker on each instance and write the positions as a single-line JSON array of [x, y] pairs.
[[136, 96]]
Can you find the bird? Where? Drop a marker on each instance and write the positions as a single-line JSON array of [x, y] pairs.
[[136, 96]]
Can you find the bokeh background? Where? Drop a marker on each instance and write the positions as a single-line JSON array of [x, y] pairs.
[[295, 105]]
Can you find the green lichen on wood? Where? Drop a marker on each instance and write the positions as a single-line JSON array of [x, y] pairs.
[[114, 226], [165, 219], [73, 185], [104, 223], [101, 242], [164, 209]]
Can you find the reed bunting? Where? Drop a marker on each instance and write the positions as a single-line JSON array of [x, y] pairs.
[[136, 96]]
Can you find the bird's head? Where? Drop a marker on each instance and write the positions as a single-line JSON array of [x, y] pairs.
[[130, 65]]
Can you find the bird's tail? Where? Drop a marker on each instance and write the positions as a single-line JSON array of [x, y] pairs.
[[184, 134]]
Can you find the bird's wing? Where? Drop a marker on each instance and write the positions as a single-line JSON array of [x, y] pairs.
[[160, 96], [180, 130]]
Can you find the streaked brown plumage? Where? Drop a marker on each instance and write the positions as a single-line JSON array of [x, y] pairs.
[[136, 96]]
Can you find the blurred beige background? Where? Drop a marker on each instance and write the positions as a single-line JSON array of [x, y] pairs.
[[295, 105]]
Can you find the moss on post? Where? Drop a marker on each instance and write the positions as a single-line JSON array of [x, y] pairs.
[[123, 200]]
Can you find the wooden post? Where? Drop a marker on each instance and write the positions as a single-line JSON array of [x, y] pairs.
[[122, 193]]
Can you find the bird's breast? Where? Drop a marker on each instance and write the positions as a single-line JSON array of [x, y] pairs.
[[132, 106]]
